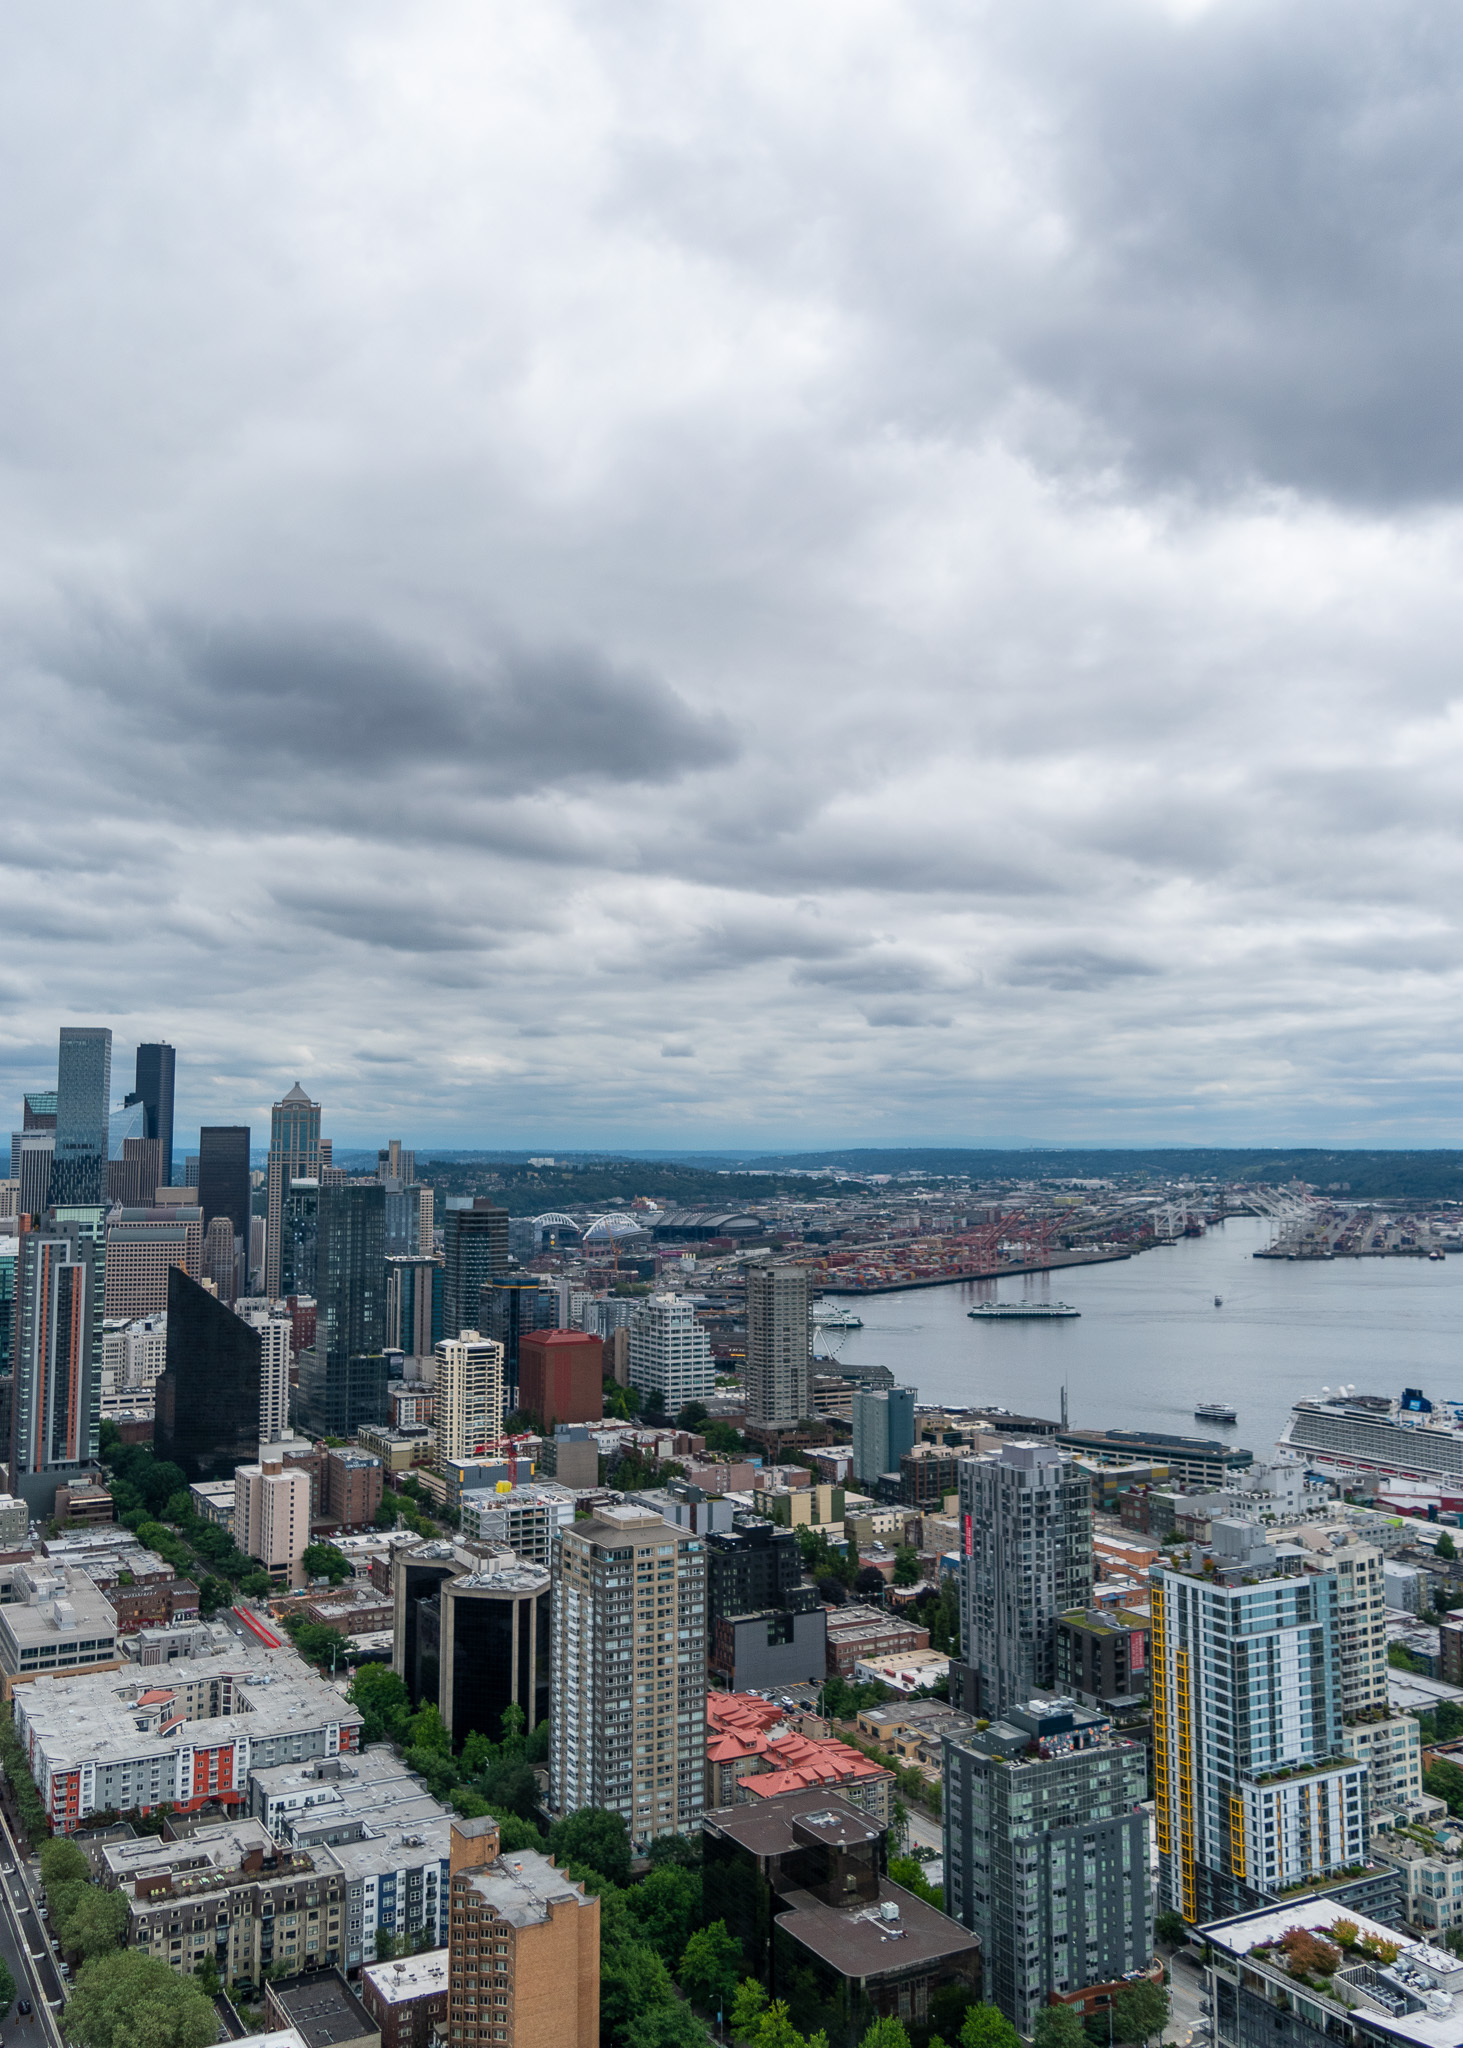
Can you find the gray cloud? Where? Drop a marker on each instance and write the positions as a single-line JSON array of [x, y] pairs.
[[909, 566]]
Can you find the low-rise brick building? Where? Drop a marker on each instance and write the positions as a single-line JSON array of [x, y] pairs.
[[408, 2000], [859, 1631]]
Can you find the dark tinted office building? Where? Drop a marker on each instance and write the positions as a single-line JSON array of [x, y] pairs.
[[83, 1095], [223, 1175], [299, 1225], [413, 1305], [472, 1640], [208, 1394], [509, 1310], [155, 1065], [475, 1242], [749, 1567], [416, 1580], [343, 1379]]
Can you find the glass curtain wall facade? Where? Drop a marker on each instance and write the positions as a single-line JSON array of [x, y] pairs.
[[208, 1393], [83, 1094]]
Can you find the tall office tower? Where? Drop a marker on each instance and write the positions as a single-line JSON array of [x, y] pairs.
[[221, 1259], [561, 1377], [1249, 1793], [523, 1968], [208, 1395], [393, 1162], [56, 1401], [779, 1347], [670, 1353], [299, 1241], [294, 1154], [142, 1246], [628, 1720], [403, 1218], [125, 1119], [155, 1069], [475, 1244], [1046, 1853], [511, 1309], [1026, 1529], [414, 1305], [223, 1183], [274, 1328], [37, 1159], [343, 1378], [134, 1174], [83, 1092], [883, 1429], [190, 1169], [467, 1404]]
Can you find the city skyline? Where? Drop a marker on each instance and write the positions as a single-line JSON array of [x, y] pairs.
[[745, 582]]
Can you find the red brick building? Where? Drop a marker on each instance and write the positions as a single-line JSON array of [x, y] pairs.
[[350, 1487], [561, 1376]]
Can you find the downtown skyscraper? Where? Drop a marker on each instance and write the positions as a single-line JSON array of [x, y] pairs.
[[779, 1347], [155, 1070], [83, 1097], [1026, 1543], [294, 1154], [56, 1391]]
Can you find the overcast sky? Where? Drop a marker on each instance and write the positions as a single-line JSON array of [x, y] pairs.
[[744, 573]]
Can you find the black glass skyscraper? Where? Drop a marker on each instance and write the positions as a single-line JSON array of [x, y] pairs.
[[83, 1093], [509, 1309], [475, 1242], [208, 1394], [299, 1231], [155, 1064], [343, 1380], [223, 1175]]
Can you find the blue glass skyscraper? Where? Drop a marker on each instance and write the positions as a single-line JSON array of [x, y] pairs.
[[83, 1094]]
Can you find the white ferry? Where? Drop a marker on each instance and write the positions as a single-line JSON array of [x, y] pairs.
[[832, 1315], [1022, 1312]]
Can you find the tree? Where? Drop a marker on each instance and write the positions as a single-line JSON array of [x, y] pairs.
[[748, 2006], [1058, 2027], [213, 1593], [885, 2033], [92, 1922], [427, 1730], [1445, 1547], [870, 1584], [691, 1416], [324, 1561], [7, 1989], [709, 1967], [385, 1945], [682, 1849], [129, 2000], [1141, 2011], [722, 1439], [383, 1699], [1170, 1928], [948, 2007], [667, 1904], [906, 1565], [667, 2026], [594, 1836], [255, 1584], [985, 2026], [62, 1863], [320, 1644], [516, 1833]]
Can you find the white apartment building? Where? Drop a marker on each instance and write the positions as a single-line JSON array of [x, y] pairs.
[[526, 1518], [272, 1514], [468, 1398], [133, 1356], [276, 1331], [670, 1353], [628, 1713]]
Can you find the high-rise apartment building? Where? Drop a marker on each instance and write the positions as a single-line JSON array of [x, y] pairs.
[[156, 1066], [56, 1393], [83, 1096], [414, 1305], [883, 1430], [1046, 1853], [224, 1186], [272, 1516], [274, 1327], [1388, 1743], [629, 1672], [779, 1347], [475, 1247], [467, 1405], [670, 1352], [523, 1965], [294, 1154], [208, 1396], [1026, 1540], [1253, 1791], [340, 1387]]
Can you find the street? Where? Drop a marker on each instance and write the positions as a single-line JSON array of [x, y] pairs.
[[21, 1930], [1186, 1988]]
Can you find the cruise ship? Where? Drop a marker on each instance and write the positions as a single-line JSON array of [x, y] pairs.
[[1345, 1434]]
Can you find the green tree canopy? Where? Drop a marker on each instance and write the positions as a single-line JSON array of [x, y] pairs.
[[1445, 1546], [427, 1730], [7, 1988], [748, 2005], [667, 1904], [324, 1561], [709, 1967], [672, 2025], [90, 1922], [129, 2000], [63, 1863], [594, 1836], [985, 2026], [382, 1697], [1141, 2012], [906, 1565], [885, 2033], [1058, 2027], [1169, 1927]]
